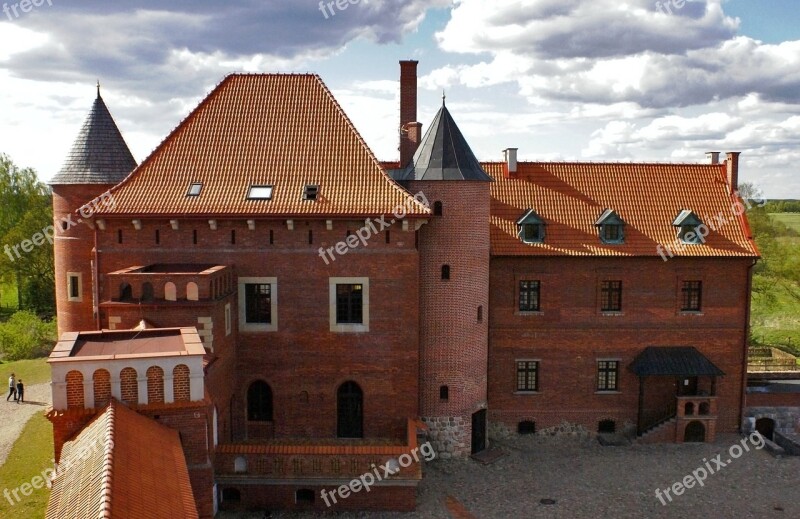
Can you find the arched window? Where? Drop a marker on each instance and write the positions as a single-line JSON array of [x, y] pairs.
[[192, 291], [170, 291], [606, 426], [129, 386], [147, 291], [102, 388], [259, 402], [688, 409], [155, 385], [180, 383], [125, 292], [526, 427], [75, 390], [350, 411]]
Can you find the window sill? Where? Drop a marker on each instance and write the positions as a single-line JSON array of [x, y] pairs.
[[691, 312], [527, 392], [607, 392], [349, 328], [258, 328], [611, 313], [525, 312]]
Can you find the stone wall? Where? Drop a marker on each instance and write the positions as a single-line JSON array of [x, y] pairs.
[[450, 436]]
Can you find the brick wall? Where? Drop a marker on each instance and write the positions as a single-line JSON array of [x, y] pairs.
[[271, 497], [75, 390], [129, 386], [454, 341], [102, 388], [180, 383], [155, 385], [570, 334], [73, 253]]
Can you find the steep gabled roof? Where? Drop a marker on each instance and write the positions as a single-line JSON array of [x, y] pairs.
[[279, 130], [99, 154], [570, 196], [121, 465], [444, 154]]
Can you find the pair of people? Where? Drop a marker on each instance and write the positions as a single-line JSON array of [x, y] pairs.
[[16, 389]]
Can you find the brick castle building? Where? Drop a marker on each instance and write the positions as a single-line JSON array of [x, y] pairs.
[[300, 312]]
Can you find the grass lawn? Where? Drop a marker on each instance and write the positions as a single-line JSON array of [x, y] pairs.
[[29, 457], [31, 372], [8, 296], [791, 220], [777, 322]]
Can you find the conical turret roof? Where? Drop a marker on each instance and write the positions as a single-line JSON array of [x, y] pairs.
[[99, 154], [444, 154]]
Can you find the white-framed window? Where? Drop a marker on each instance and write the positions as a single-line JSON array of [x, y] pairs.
[[227, 319], [258, 304], [608, 375], [74, 287], [527, 375], [349, 304]]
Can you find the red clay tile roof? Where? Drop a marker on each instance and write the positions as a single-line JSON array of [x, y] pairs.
[[275, 129], [122, 465], [570, 197]]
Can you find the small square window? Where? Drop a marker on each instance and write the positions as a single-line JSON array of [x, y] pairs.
[[607, 375], [532, 233], [310, 192], [692, 296], [527, 375], [611, 296], [194, 189], [260, 192], [529, 291]]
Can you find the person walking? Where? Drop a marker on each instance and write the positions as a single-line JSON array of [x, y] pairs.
[[12, 388], [20, 391]]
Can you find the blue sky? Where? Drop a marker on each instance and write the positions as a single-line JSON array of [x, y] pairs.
[[578, 80]]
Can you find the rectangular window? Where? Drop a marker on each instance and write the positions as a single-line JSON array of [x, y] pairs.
[[611, 296], [529, 296], [259, 193], [74, 286], [611, 233], [258, 303], [349, 304], [691, 296], [527, 375], [194, 189], [607, 375]]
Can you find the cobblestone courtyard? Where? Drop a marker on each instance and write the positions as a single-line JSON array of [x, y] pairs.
[[588, 480]]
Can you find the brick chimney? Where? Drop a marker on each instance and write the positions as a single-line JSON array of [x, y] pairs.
[[410, 129], [732, 163]]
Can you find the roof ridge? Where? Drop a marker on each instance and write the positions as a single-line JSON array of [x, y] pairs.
[[610, 163], [108, 464]]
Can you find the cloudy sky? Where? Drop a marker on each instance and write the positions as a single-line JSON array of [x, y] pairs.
[[586, 80]]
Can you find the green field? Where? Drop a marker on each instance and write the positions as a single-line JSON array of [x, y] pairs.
[[30, 456], [35, 371], [791, 220]]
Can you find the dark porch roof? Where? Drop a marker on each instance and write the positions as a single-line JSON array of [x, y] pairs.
[[673, 361]]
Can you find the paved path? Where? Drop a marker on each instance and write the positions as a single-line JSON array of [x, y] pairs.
[[14, 416], [574, 479]]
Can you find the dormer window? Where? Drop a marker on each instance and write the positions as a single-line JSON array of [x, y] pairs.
[[530, 228], [688, 225], [194, 189], [259, 192], [310, 192], [611, 227]]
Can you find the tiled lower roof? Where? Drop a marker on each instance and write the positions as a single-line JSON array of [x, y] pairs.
[[569, 197], [122, 465]]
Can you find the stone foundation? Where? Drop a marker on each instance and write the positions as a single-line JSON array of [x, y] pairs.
[[450, 436], [787, 419]]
